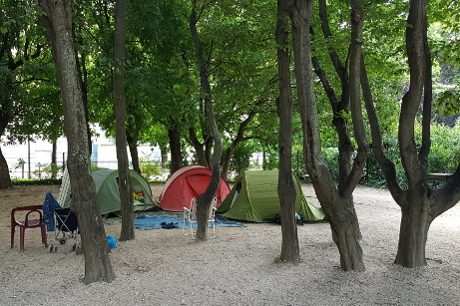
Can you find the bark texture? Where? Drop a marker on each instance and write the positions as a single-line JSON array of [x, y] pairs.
[[420, 203], [341, 104], [286, 189], [124, 178], [204, 200], [176, 153], [58, 22], [335, 203]]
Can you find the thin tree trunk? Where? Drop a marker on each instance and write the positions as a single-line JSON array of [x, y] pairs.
[[286, 189], [204, 200], [199, 148], [176, 154], [164, 156], [53, 165], [124, 177], [132, 145]]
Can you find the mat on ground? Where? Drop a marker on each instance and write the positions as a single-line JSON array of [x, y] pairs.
[[146, 222]]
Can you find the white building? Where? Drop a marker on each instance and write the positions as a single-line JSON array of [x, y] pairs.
[[37, 154]]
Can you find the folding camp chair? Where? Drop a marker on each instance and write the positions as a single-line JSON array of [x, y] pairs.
[[190, 217], [66, 227]]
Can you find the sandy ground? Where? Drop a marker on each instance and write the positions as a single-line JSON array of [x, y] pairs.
[[165, 267]]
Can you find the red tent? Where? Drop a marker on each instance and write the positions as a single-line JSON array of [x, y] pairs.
[[187, 183]]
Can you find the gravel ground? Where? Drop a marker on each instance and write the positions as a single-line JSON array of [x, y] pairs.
[[165, 267]]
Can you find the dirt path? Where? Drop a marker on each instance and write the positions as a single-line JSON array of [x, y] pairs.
[[165, 267]]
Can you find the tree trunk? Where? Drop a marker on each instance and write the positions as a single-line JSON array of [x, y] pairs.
[[83, 78], [412, 237], [341, 218], [124, 177], [204, 200], [53, 165], [339, 106], [238, 139], [286, 188], [176, 154], [164, 156], [208, 149], [346, 237], [58, 22], [132, 145], [5, 179], [420, 204], [199, 148]]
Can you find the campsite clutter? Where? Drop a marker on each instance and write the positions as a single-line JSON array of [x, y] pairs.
[[138, 197], [253, 198], [62, 221], [112, 241]]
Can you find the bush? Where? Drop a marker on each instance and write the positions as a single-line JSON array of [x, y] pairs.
[[31, 182], [47, 171], [149, 167]]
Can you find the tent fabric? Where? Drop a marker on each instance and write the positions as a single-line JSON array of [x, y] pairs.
[[188, 183], [108, 194], [254, 197]]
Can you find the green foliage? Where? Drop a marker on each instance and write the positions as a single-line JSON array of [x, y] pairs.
[[47, 171], [443, 158], [445, 149], [95, 167], [270, 158], [241, 157], [31, 182], [29, 93], [448, 103], [149, 167]]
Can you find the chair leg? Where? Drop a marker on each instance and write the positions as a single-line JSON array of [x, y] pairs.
[[44, 238], [21, 245], [212, 225], [191, 230], [13, 229], [183, 227]]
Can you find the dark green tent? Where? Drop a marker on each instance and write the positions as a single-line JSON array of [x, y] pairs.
[[254, 197]]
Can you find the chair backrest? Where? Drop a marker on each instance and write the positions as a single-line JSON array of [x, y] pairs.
[[34, 212], [211, 212]]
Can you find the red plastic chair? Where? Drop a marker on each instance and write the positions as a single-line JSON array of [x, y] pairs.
[[32, 212]]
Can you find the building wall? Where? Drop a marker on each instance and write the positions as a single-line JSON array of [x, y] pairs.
[[37, 153]]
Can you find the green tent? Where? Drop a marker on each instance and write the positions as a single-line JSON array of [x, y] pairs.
[[254, 197], [108, 194]]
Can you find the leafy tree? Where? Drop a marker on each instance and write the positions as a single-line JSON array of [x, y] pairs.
[[29, 96], [420, 203]]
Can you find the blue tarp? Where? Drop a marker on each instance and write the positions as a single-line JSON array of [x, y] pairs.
[[146, 222]]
